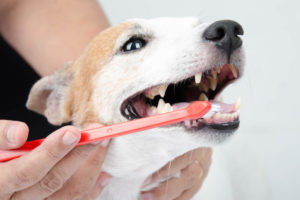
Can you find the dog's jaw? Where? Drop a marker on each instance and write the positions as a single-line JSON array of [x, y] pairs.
[[167, 60], [103, 77], [176, 50]]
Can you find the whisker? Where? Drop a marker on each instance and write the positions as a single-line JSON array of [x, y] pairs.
[[167, 184]]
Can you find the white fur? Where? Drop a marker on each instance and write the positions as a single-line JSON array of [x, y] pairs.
[[175, 51]]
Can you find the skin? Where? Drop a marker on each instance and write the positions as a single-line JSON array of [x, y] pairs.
[[56, 169]]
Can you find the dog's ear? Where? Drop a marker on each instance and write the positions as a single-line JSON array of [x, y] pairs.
[[50, 96]]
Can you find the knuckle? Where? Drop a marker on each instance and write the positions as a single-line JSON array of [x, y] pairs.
[[48, 150], [51, 182], [96, 161], [24, 176], [193, 173]]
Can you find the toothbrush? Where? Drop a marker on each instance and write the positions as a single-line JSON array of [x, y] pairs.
[[194, 110]]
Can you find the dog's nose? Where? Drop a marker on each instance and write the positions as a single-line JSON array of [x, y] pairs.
[[225, 35]]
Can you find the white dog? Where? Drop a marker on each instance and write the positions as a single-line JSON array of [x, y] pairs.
[[144, 67]]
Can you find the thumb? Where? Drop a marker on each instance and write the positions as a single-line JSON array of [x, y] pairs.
[[13, 134]]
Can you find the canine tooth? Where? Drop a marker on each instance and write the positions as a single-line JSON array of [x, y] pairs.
[[233, 70], [203, 87], [150, 96], [198, 77], [153, 93], [237, 103], [161, 105], [162, 90], [218, 69], [203, 97], [213, 83]]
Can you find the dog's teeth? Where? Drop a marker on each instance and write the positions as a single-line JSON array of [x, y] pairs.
[[233, 70], [203, 97], [218, 69], [161, 104], [213, 83], [163, 107], [162, 90], [223, 117], [237, 103], [203, 87], [217, 116], [198, 77], [159, 90], [167, 108], [153, 110], [152, 93]]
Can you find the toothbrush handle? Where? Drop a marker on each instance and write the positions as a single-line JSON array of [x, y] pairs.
[[193, 111]]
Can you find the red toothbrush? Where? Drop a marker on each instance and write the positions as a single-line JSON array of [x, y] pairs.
[[194, 110]]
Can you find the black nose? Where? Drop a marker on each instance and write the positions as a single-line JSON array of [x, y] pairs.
[[225, 35]]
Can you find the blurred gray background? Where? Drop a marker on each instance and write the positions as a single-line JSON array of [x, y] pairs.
[[270, 120]]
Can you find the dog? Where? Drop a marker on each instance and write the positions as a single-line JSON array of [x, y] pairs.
[[141, 68]]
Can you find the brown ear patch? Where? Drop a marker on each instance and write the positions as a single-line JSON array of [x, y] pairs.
[[97, 53]]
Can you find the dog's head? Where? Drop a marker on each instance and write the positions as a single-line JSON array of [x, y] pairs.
[[143, 67]]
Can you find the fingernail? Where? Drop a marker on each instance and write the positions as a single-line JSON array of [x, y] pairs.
[[10, 134], [69, 138], [147, 181], [103, 179], [146, 196], [105, 142]]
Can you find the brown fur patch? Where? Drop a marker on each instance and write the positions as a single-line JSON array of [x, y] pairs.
[[97, 53]]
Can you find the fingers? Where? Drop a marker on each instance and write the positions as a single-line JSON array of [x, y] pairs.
[[57, 176], [13, 134], [178, 164], [194, 167], [32, 167], [82, 183], [101, 182], [190, 192], [174, 187]]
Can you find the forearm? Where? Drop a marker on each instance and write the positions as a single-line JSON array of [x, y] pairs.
[[49, 33]]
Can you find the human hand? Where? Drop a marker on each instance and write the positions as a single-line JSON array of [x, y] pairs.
[[13, 134], [193, 166], [55, 169]]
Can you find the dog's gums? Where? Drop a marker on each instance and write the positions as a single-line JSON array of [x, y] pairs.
[[204, 86]]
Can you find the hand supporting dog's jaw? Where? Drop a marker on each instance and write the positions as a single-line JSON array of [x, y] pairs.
[[143, 67]]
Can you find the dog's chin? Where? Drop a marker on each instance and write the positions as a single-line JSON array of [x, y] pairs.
[[211, 136], [205, 135]]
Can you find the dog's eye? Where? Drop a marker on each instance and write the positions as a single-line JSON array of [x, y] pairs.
[[134, 44]]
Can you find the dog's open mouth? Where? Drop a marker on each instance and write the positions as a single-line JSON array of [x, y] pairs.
[[205, 86]]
